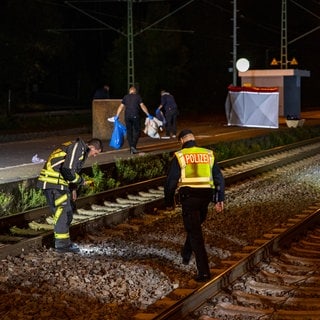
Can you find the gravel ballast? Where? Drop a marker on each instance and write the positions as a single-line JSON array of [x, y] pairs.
[[122, 270]]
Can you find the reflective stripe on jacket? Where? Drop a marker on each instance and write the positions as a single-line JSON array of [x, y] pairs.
[[196, 167], [70, 156]]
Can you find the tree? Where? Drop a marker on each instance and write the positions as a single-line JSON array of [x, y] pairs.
[[29, 51]]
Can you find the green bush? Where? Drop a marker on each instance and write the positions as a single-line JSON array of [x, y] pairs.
[[231, 149], [141, 168], [98, 182], [6, 203], [29, 198]]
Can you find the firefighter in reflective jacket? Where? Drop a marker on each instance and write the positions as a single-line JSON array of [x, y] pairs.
[[197, 176], [59, 180]]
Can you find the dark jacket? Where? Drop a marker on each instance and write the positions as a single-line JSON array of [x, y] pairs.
[[132, 103], [168, 103], [63, 166]]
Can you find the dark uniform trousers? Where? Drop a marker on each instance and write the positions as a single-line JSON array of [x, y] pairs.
[[194, 213], [133, 130], [60, 205], [171, 122]]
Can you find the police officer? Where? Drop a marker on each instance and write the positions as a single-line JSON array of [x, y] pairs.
[[195, 173], [59, 180]]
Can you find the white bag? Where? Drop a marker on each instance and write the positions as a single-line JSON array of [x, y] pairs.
[[152, 127]]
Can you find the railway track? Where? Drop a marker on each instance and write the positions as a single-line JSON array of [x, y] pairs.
[[128, 201], [276, 279], [103, 209], [114, 206]]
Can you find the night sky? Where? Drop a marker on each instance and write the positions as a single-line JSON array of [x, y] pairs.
[[50, 49]]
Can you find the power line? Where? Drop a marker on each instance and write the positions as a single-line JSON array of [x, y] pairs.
[[130, 35]]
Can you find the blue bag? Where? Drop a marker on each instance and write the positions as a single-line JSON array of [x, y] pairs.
[[118, 133]]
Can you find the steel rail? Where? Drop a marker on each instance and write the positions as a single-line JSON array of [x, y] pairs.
[[280, 239], [265, 153], [21, 220]]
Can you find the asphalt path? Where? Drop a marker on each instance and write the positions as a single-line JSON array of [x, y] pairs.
[[16, 157]]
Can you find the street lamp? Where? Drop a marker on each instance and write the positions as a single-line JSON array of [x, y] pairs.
[[243, 65]]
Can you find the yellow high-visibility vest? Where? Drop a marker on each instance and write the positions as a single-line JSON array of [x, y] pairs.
[[50, 175], [196, 167]]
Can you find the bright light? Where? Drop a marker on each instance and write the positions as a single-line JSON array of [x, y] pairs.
[[243, 65]]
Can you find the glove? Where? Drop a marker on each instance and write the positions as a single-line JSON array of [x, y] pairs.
[[150, 116], [113, 119]]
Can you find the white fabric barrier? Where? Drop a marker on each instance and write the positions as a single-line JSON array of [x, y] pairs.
[[252, 109]]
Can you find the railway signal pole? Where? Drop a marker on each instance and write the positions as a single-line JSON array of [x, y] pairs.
[[234, 46]]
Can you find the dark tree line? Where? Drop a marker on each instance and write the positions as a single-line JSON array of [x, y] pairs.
[[55, 55]]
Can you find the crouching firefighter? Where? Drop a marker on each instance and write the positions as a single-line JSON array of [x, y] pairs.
[[59, 180]]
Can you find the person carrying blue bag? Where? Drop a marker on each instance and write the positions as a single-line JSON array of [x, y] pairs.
[[132, 102], [118, 134]]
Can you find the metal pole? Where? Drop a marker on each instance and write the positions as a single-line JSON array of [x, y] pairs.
[[130, 53], [284, 45], [130, 36], [234, 43], [9, 103]]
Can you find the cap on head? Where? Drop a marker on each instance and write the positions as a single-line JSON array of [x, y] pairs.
[[184, 133]]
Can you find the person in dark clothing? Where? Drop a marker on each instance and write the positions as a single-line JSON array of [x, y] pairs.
[[59, 180], [102, 93], [169, 107], [195, 173], [132, 103]]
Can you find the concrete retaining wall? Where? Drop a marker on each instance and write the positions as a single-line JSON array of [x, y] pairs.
[[101, 111]]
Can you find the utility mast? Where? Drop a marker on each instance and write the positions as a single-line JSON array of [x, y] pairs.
[[234, 46], [130, 35], [284, 40], [130, 67]]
